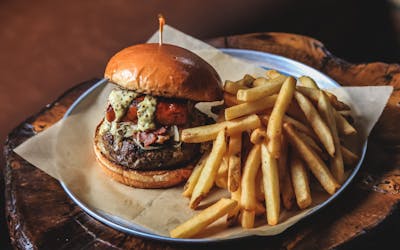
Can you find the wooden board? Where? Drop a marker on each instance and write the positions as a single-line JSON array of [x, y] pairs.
[[41, 216]]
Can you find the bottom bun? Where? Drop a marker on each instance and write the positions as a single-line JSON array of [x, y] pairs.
[[142, 179]]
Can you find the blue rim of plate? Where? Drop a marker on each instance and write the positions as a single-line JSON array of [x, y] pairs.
[[265, 60]]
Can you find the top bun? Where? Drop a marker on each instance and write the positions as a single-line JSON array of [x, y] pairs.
[[164, 70]]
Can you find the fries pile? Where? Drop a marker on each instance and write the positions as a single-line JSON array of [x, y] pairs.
[[272, 135]]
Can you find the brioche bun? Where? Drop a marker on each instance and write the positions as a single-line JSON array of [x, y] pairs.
[[164, 70]]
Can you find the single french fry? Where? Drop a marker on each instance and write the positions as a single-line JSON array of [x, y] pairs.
[[271, 73], [336, 163], [316, 165], [274, 128], [269, 166], [191, 182], [349, 158], [260, 91], [210, 132], [343, 126], [233, 87], [308, 82], [320, 128], [262, 80], [251, 166], [247, 218], [249, 107], [221, 180], [230, 100], [300, 182], [258, 135], [204, 218], [234, 162], [209, 171], [284, 177], [233, 215], [313, 94]]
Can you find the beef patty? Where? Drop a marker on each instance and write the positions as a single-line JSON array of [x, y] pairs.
[[126, 153]]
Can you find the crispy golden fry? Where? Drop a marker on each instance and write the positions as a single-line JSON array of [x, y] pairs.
[[261, 91], [269, 166], [343, 126], [349, 157], [248, 199], [319, 126], [271, 73], [221, 180], [191, 182], [204, 218], [250, 107], [336, 163], [247, 218], [209, 172], [307, 81], [233, 87], [300, 182], [230, 100], [259, 186], [234, 162], [210, 132], [274, 128], [258, 136], [233, 215], [284, 177], [313, 94], [316, 165]]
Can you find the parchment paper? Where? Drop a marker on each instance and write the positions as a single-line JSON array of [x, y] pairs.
[[65, 152]]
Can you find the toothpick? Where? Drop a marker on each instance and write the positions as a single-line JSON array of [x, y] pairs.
[[161, 22]]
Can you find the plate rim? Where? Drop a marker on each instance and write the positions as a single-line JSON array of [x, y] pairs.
[[149, 235]]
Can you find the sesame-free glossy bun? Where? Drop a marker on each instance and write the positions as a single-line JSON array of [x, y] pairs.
[[164, 70]]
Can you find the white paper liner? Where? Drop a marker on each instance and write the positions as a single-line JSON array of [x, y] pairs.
[[65, 152]]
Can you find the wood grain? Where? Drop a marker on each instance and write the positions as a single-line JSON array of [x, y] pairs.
[[41, 216]]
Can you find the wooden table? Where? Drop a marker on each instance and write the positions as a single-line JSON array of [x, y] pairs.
[[40, 214]]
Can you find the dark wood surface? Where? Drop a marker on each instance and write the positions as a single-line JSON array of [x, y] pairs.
[[41, 216]]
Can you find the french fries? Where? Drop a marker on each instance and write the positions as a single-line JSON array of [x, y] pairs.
[[274, 129], [210, 132], [250, 107], [201, 220], [258, 136], [285, 182], [290, 132], [266, 89], [308, 82], [313, 94], [319, 126], [316, 165], [209, 171], [194, 177], [233, 87], [300, 182], [269, 166], [336, 163], [234, 162], [248, 199], [349, 158]]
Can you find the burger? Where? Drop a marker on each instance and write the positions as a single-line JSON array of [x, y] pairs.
[[157, 87]]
